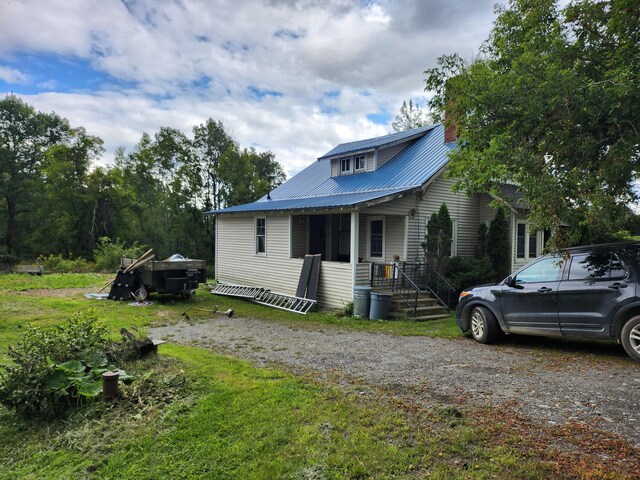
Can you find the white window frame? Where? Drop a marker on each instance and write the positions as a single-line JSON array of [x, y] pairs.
[[454, 237], [384, 229], [350, 169], [362, 157], [255, 236], [527, 237]]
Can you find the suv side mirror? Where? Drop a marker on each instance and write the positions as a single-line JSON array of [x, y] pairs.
[[510, 281]]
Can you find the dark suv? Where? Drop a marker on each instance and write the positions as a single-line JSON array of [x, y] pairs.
[[589, 292]]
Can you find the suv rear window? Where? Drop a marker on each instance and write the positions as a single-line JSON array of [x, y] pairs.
[[594, 266]]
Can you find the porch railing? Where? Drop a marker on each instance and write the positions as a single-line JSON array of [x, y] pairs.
[[404, 277]]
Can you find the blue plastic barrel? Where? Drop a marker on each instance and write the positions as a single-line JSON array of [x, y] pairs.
[[380, 303]]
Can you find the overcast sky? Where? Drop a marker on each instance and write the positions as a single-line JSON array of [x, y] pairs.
[[296, 77]]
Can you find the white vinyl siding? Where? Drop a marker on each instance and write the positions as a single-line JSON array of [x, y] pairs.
[[238, 264], [363, 274], [394, 238], [386, 154], [371, 158], [335, 167], [464, 211]]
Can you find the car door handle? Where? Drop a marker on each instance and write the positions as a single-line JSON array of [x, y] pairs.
[[618, 285], [545, 289]]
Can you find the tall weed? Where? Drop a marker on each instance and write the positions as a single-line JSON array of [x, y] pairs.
[[107, 253]]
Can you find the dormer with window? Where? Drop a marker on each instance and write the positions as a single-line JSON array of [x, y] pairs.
[[369, 155]]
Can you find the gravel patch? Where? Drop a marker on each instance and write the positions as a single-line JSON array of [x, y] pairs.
[[550, 385]]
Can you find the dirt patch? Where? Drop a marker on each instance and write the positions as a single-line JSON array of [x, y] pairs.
[[554, 386]]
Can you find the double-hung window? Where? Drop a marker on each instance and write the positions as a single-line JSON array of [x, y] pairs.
[[345, 165], [359, 163], [526, 242], [261, 236], [376, 237]]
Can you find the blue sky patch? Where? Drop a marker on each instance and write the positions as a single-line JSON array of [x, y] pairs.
[[327, 110], [259, 93], [287, 34], [380, 118], [63, 74], [233, 47]]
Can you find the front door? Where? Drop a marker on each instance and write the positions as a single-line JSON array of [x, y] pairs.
[[317, 235], [531, 306], [595, 282]]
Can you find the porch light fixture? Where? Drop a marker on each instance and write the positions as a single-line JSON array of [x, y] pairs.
[[412, 212]]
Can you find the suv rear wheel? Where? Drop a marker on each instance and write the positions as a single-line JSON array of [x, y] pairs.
[[630, 338], [484, 326]]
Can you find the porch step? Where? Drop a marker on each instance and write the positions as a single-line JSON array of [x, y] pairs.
[[432, 313], [428, 308], [427, 318], [423, 301], [405, 309]]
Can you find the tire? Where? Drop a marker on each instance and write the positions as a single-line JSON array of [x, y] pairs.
[[484, 326], [630, 338]]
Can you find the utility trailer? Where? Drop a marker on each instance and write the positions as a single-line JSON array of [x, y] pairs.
[[176, 275]]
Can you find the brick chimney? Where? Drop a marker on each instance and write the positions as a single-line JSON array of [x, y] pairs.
[[450, 134]]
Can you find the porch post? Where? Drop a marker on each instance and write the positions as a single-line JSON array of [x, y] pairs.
[[405, 252], [354, 244], [216, 218]]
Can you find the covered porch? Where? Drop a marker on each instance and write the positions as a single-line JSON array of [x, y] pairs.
[[362, 240]]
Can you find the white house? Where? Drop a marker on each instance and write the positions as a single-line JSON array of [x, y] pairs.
[[362, 203]]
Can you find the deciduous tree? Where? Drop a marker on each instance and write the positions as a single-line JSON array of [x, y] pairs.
[[552, 104], [410, 116]]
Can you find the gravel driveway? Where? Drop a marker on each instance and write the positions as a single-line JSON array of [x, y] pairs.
[[551, 385]]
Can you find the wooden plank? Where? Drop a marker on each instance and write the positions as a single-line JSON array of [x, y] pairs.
[[304, 275], [314, 277]]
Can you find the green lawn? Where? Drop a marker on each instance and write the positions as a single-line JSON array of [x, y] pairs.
[[232, 420], [18, 307], [195, 414]]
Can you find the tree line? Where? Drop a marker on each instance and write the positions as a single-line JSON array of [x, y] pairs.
[[54, 199]]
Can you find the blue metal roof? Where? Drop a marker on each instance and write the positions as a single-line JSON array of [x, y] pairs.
[[370, 143], [348, 200], [314, 187]]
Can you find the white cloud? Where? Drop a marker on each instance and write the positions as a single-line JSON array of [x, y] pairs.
[[185, 61], [13, 76]]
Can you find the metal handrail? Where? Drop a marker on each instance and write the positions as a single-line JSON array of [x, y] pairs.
[[416, 276], [416, 289], [442, 279]]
